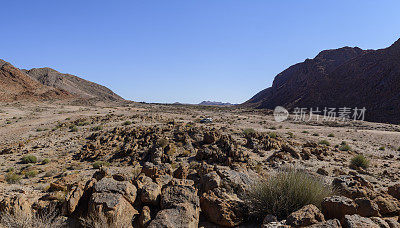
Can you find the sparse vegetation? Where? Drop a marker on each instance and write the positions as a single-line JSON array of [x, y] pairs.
[[272, 135], [344, 146], [97, 128], [29, 159], [31, 173], [331, 135], [45, 161], [382, 148], [305, 132], [315, 134], [359, 161], [249, 131], [324, 142], [99, 164], [286, 192], [126, 123], [12, 177], [73, 128]]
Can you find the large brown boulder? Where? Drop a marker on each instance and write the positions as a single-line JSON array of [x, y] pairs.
[[394, 191], [306, 216], [223, 208], [388, 205], [333, 223], [367, 207]]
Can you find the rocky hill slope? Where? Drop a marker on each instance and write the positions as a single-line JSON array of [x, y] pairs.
[[17, 85], [345, 77], [73, 84]]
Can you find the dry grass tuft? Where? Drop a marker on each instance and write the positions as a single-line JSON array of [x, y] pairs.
[[286, 192]]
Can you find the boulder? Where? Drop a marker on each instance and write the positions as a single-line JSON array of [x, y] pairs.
[[388, 205], [394, 191], [180, 207], [356, 221], [124, 188], [338, 206], [367, 207], [150, 193], [72, 198], [210, 181], [145, 217], [223, 208], [333, 223], [115, 209], [307, 215]]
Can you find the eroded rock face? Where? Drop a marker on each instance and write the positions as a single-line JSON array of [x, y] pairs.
[[394, 191], [333, 223], [367, 207], [307, 215], [223, 208], [387, 205]]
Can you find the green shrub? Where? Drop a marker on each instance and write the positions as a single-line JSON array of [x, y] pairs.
[[382, 148], [97, 128], [32, 173], [324, 142], [45, 161], [359, 161], [29, 159], [249, 131], [73, 128], [286, 192], [305, 132], [398, 149], [126, 123], [99, 164], [344, 147], [331, 135], [272, 135], [12, 178]]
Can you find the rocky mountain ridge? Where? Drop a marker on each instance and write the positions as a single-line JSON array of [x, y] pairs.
[[344, 77]]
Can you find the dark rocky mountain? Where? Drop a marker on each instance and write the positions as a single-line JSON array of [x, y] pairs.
[[345, 77], [16, 85], [214, 103], [73, 84]]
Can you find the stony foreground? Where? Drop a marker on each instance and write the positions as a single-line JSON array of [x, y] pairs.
[[157, 166]]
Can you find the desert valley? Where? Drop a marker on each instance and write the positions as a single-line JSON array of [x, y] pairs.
[[75, 154]]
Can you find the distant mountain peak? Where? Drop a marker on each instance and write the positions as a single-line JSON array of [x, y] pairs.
[[217, 103]]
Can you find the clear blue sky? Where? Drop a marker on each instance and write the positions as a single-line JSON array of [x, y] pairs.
[[187, 50]]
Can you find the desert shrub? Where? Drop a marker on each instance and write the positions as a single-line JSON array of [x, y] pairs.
[[29, 159], [12, 177], [344, 147], [99, 164], [331, 135], [291, 135], [126, 123], [45, 161], [73, 128], [315, 134], [305, 132], [272, 128], [97, 128], [359, 161], [49, 218], [272, 135], [286, 192], [249, 131], [324, 142], [32, 173], [398, 149], [382, 148]]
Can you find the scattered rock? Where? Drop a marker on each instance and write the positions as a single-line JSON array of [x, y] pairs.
[[306, 216]]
